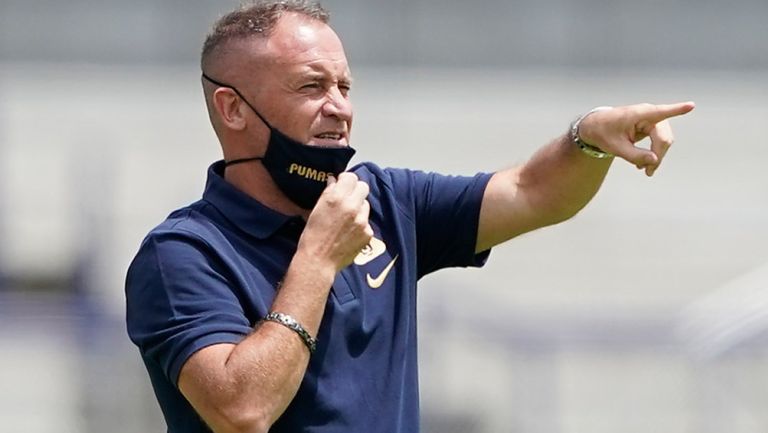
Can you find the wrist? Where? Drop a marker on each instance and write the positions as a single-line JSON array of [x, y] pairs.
[[313, 265], [587, 145], [304, 290], [289, 322]]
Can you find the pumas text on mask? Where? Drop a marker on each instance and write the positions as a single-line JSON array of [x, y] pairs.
[[308, 172]]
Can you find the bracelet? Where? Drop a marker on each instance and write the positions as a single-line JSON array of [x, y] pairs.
[[291, 323], [593, 151]]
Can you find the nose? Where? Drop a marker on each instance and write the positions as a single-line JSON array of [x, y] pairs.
[[338, 105]]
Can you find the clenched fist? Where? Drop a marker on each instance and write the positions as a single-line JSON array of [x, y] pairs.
[[337, 229]]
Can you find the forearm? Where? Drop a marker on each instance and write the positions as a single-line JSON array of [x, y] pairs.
[[246, 387], [551, 187], [259, 376], [560, 179]]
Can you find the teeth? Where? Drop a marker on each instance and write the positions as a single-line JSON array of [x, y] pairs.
[[331, 136]]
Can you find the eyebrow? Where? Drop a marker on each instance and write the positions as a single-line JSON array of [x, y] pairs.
[[323, 74]]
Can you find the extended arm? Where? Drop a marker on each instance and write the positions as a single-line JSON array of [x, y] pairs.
[[560, 179]]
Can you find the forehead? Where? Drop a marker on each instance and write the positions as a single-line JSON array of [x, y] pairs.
[[301, 44]]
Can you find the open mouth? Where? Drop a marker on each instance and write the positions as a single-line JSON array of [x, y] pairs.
[[329, 136], [331, 139]]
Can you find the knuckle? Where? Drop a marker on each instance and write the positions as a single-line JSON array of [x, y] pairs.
[[361, 218], [361, 225], [353, 207], [347, 208], [332, 198]]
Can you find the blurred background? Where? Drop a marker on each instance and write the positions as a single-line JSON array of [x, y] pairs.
[[648, 312]]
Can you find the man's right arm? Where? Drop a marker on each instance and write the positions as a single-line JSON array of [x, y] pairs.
[[247, 386]]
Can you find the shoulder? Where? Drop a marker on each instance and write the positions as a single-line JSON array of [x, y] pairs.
[[406, 181], [184, 230], [390, 180], [193, 222], [368, 171]]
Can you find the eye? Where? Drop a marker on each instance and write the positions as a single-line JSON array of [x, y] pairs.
[[310, 86], [345, 88]]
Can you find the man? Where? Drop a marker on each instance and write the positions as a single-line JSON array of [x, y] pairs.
[[284, 300]]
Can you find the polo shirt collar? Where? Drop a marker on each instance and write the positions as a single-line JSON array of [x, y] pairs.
[[239, 208]]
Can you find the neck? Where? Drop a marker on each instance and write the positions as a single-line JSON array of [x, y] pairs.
[[252, 178]]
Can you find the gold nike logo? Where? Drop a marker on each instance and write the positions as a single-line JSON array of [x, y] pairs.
[[375, 283]]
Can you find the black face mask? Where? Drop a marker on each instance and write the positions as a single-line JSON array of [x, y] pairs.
[[300, 171]]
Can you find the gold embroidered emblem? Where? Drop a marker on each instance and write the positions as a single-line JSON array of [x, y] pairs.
[[375, 248]]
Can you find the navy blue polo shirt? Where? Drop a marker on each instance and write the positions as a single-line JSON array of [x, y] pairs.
[[208, 274]]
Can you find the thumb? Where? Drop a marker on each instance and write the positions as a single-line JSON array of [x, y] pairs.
[[637, 156]]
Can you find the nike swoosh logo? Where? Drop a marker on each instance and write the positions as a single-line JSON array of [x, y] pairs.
[[375, 283]]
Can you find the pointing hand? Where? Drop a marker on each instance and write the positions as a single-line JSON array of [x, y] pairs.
[[617, 130]]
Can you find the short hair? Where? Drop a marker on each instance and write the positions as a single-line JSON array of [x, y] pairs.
[[257, 18]]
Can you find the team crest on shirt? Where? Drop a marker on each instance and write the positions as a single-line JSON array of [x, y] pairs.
[[375, 248]]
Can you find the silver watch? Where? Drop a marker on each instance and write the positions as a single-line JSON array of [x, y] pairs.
[[593, 151]]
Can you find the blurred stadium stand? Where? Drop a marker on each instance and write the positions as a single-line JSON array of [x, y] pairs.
[[489, 33]]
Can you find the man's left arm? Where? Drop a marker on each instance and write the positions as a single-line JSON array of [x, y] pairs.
[[560, 178]]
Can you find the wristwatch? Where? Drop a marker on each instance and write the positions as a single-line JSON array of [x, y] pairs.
[[593, 151]]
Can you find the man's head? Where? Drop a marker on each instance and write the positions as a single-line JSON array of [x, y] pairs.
[[286, 61]]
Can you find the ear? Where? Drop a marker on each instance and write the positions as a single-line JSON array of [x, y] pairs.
[[229, 108]]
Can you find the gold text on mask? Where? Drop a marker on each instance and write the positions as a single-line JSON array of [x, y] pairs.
[[308, 172]]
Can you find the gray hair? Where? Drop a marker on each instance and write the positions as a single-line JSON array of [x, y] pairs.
[[257, 18]]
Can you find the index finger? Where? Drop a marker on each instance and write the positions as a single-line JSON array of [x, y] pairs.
[[657, 113]]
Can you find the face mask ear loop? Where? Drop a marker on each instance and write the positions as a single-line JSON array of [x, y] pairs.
[[237, 92], [242, 160]]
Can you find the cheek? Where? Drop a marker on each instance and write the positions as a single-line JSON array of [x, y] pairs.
[[300, 122]]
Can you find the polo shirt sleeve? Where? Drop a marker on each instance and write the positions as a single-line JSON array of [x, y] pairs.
[[446, 214], [179, 301]]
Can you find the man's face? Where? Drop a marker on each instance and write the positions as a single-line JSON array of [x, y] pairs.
[[302, 82]]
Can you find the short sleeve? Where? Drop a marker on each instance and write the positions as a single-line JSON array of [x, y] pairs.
[[446, 214], [179, 301]]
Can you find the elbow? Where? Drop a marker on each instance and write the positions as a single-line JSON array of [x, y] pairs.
[[250, 424], [562, 214], [228, 400], [239, 418]]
